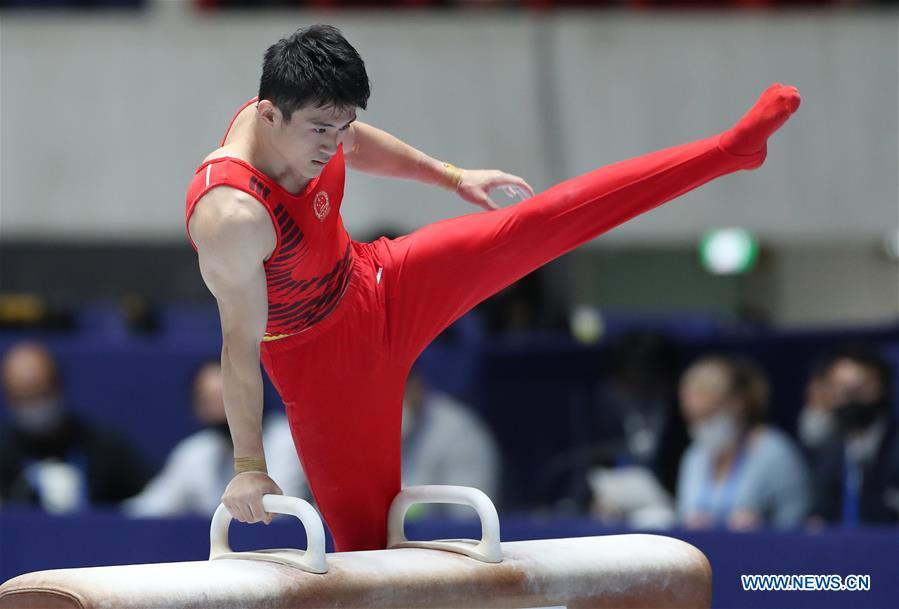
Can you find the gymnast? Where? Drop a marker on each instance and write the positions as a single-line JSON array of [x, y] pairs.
[[337, 323]]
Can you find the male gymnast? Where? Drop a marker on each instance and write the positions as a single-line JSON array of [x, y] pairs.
[[336, 323]]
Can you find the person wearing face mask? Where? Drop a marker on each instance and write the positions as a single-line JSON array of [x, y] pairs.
[[445, 442], [738, 472], [856, 472], [49, 457], [201, 466]]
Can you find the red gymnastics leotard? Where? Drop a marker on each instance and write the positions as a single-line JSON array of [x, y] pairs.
[[357, 315]]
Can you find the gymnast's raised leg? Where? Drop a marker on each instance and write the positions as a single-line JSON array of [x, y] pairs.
[[436, 274]]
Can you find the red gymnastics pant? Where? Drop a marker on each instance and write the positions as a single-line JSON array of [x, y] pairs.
[[342, 380]]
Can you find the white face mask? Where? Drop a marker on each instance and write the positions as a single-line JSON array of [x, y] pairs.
[[815, 427], [717, 433], [39, 416]]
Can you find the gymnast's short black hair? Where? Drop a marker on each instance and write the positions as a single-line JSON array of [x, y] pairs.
[[314, 66]]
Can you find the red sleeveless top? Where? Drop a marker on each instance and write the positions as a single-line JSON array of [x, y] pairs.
[[309, 268]]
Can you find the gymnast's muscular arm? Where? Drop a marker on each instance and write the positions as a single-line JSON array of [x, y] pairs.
[[234, 235], [372, 150]]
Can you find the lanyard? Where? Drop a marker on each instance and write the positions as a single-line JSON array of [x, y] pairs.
[[718, 500]]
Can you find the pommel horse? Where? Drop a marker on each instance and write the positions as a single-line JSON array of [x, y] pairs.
[[585, 572]]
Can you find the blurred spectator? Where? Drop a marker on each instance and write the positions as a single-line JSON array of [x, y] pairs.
[[49, 456], [816, 424], [636, 407], [444, 442], [856, 472], [738, 472], [201, 466]]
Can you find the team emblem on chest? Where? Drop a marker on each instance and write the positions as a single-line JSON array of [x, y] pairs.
[[321, 205]]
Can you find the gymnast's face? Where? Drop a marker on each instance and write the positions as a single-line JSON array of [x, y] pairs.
[[311, 137]]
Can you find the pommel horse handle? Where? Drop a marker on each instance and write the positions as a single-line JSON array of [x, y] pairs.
[[487, 550], [312, 560]]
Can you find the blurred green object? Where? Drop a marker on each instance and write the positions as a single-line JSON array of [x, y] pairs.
[[728, 251], [419, 510]]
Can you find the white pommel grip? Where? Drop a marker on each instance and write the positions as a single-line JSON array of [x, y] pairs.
[[312, 560], [486, 550]]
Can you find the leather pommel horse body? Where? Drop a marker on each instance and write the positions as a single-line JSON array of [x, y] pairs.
[[611, 571]]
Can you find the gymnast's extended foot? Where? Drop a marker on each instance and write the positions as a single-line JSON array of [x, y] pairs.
[[750, 135]]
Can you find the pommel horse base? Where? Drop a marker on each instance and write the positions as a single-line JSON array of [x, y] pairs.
[[620, 571]]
